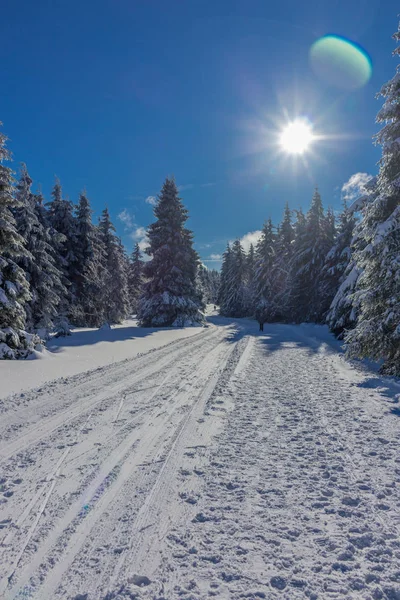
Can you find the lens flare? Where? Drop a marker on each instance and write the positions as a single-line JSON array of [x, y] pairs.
[[296, 137], [340, 62]]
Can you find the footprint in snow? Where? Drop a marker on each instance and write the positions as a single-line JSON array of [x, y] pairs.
[[139, 580], [349, 501], [278, 582], [4, 523], [200, 518]]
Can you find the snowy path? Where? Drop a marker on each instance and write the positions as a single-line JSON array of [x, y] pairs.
[[225, 465]]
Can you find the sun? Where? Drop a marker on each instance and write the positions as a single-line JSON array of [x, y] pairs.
[[296, 137]]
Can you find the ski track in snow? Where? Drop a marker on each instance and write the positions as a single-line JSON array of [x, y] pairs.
[[228, 465]]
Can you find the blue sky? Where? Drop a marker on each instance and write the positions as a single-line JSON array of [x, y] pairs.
[[115, 95]]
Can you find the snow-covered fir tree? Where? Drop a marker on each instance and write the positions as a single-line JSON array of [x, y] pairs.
[[377, 332], [226, 268], [135, 278], [200, 285], [208, 283], [233, 282], [312, 243], [251, 289], [116, 294], [14, 287], [61, 220], [345, 305], [122, 281], [336, 271], [169, 294], [39, 263], [89, 268], [265, 256], [281, 263], [214, 279], [330, 271]]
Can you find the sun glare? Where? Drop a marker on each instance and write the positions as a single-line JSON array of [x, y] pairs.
[[296, 137]]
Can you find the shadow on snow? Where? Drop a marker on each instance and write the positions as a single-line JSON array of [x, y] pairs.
[[89, 337], [314, 339]]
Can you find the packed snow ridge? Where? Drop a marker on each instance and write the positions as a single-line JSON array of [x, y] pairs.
[[228, 464]]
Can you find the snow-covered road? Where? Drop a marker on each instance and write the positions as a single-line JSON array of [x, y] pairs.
[[228, 464]]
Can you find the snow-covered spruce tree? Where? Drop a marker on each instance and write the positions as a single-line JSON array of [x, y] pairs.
[[123, 275], [265, 256], [214, 278], [208, 283], [39, 263], [226, 273], [336, 264], [55, 240], [328, 277], [201, 284], [88, 269], [169, 294], [14, 287], [234, 301], [345, 306], [62, 222], [135, 278], [250, 290], [293, 293], [116, 294], [312, 243], [377, 332], [282, 257]]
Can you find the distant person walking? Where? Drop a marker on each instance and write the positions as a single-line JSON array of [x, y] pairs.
[[261, 325]]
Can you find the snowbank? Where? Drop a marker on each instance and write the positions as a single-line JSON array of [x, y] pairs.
[[86, 349]]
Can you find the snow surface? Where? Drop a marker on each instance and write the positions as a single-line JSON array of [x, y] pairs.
[[85, 350], [230, 464]]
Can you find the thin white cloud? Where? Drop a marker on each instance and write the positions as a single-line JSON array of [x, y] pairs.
[[127, 219], [187, 186], [213, 258], [354, 187], [152, 200], [206, 185], [250, 238], [139, 235], [136, 233]]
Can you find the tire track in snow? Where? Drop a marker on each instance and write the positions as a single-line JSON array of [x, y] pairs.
[[119, 456], [155, 436], [51, 475], [52, 479], [152, 509], [245, 358], [47, 426]]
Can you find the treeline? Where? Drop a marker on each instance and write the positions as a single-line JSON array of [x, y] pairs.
[[286, 277], [208, 282], [344, 271], [57, 267]]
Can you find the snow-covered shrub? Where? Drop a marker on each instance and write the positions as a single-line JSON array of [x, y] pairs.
[[17, 343]]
